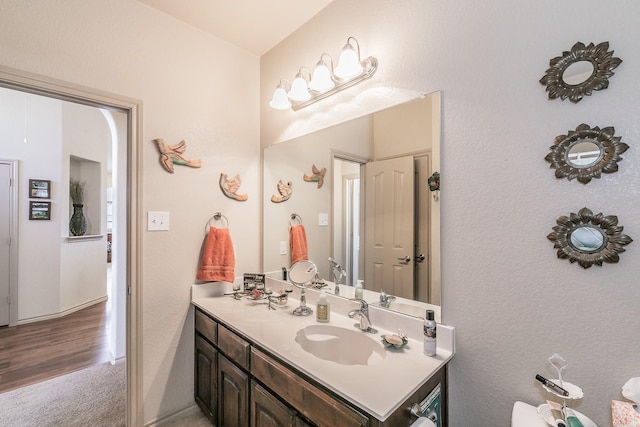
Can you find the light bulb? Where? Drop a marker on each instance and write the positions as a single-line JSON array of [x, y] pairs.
[[349, 63], [299, 91], [280, 101], [321, 81]]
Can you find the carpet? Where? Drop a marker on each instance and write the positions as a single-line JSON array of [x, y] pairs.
[[94, 396]]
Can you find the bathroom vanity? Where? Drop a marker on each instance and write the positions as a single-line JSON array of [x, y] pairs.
[[251, 367]]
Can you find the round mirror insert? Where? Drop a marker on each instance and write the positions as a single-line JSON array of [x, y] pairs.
[[578, 72], [583, 154], [302, 273], [588, 239], [586, 153]]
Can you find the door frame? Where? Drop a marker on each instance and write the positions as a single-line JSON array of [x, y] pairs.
[[13, 235], [36, 84]]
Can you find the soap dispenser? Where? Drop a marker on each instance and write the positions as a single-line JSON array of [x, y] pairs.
[[359, 290], [323, 308]]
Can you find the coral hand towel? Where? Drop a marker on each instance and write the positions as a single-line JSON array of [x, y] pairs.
[[218, 260], [298, 243]]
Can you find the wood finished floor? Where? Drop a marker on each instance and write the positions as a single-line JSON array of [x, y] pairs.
[[39, 351]]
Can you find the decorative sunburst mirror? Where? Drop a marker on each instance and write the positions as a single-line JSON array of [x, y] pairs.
[[586, 153], [580, 71], [589, 239]]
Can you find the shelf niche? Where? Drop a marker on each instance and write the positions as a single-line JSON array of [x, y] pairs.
[[89, 172]]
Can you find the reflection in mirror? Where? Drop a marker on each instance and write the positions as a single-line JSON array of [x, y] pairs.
[[586, 153], [354, 153], [578, 72], [588, 239]]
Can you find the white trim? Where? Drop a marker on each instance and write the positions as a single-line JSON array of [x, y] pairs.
[[13, 233], [41, 85], [171, 419], [63, 313]]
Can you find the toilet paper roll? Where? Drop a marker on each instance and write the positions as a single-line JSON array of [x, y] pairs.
[[423, 422]]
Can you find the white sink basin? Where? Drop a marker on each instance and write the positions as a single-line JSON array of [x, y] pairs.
[[341, 345]]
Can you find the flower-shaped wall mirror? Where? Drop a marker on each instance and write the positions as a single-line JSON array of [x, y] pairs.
[[580, 71], [589, 239], [586, 153]]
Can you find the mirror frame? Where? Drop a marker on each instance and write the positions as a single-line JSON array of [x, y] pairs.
[[610, 147], [607, 225], [599, 56]]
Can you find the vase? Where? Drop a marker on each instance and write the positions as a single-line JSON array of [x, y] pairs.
[[78, 222]]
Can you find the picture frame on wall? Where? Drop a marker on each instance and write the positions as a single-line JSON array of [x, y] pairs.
[[39, 189], [40, 210]]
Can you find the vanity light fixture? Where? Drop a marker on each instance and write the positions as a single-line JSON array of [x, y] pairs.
[[325, 80]]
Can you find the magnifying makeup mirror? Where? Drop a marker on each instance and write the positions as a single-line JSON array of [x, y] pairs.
[[301, 275]]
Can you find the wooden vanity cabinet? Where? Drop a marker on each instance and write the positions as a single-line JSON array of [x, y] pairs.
[[206, 377], [267, 410], [239, 384], [233, 394]]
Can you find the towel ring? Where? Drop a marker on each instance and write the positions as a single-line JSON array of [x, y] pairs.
[[217, 217], [295, 217]]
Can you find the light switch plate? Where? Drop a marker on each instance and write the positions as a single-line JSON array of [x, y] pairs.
[[323, 219], [157, 221], [283, 247]]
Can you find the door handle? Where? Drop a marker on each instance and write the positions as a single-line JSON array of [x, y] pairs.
[[406, 259], [419, 258]]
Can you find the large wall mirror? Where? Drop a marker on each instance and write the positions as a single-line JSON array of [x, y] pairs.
[[374, 213]]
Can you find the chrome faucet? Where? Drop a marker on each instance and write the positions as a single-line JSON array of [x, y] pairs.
[[363, 314], [385, 299]]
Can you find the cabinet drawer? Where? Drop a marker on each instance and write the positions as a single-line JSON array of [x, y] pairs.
[[206, 326], [234, 347], [309, 400]]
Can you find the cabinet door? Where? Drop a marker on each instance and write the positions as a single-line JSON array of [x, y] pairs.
[[267, 411], [206, 377], [233, 399]]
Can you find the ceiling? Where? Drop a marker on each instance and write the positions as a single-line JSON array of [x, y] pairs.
[[253, 25]]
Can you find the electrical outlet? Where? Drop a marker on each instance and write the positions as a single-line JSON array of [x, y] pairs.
[[283, 247], [323, 219], [157, 221]]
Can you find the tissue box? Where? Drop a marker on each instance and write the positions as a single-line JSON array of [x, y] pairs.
[[623, 414]]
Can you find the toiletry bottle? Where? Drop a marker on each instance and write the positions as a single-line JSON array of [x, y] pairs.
[[358, 290], [430, 334], [323, 309]]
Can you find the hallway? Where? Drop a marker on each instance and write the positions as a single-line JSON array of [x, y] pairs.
[[37, 351]]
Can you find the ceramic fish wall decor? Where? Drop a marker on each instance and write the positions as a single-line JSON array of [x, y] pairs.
[[230, 187], [172, 155], [316, 176], [284, 191]]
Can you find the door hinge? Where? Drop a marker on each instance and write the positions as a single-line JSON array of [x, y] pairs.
[[129, 290]]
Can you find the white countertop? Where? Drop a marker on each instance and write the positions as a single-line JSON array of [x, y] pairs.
[[378, 388]]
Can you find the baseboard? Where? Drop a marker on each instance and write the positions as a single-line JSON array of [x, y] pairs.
[[172, 418], [62, 313]]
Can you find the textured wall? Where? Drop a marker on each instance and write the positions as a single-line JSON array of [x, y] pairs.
[[513, 303]]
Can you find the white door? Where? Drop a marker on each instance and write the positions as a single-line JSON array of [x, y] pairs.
[[5, 241], [389, 226]]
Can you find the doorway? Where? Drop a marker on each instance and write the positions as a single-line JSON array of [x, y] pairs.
[[126, 241], [8, 248]]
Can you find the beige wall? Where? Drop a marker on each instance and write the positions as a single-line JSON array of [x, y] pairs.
[[512, 301], [193, 87]]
